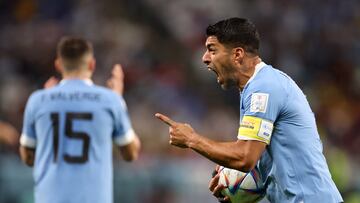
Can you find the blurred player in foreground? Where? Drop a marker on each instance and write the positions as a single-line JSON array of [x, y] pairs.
[[69, 130], [277, 129]]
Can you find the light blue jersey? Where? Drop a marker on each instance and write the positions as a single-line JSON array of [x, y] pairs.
[[72, 127], [275, 111]]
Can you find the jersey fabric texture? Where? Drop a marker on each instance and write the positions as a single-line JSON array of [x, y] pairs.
[[275, 111], [72, 127]]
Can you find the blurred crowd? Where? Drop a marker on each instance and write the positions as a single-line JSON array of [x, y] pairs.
[[160, 44]]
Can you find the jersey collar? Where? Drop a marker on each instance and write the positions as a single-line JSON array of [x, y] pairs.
[[258, 67], [86, 81]]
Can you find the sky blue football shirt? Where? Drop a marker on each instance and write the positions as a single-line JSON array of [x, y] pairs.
[[275, 111], [72, 126]]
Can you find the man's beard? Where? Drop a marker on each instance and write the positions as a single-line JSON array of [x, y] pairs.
[[228, 84]]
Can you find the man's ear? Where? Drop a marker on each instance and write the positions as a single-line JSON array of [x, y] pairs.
[[58, 65], [239, 54], [92, 65]]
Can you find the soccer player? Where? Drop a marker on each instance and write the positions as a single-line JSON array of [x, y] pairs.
[[69, 130], [277, 130]]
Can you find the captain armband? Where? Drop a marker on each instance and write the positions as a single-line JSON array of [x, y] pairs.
[[254, 128]]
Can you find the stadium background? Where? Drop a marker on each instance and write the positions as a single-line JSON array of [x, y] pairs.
[[160, 44]]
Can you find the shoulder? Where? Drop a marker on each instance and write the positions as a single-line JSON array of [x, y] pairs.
[[110, 96], [269, 80], [34, 100], [267, 86], [36, 95], [105, 91]]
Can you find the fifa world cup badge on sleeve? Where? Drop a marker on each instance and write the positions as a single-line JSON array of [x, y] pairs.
[[259, 102]]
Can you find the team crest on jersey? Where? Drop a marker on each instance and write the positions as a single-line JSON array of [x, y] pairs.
[[259, 102]]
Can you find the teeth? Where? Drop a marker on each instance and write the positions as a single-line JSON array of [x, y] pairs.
[[209, 69]]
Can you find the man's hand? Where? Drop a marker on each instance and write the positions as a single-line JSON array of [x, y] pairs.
[[27, 155], [8, 134], [215, 188], [116, 81], [51, 82], [181, 134]]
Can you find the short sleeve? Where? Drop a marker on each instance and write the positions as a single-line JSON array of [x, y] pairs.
[[28, 134], [261, 108], [123, 133]]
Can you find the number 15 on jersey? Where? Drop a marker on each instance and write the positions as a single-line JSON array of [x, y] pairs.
[[71, 134]]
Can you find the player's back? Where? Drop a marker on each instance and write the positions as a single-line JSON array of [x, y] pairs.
[[299, 171], [74, 125]]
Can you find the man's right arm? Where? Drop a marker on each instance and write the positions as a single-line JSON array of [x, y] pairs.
[[241, 155], [28, 138]]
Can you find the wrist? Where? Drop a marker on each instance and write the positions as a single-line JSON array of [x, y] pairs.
[[194, 142]]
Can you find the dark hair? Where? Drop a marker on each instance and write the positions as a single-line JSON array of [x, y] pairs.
[[71, 50], [236, 32]]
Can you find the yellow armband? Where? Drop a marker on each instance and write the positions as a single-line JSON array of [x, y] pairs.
[[254, 128]]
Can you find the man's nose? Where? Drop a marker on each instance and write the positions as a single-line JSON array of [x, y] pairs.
[[206, 58]]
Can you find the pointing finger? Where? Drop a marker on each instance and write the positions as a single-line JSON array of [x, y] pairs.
[[165, 119]]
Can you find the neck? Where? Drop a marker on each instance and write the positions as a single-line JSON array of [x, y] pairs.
[[247, 71], [76, 75]]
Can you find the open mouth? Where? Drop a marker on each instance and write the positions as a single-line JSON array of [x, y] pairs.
[[211, 69], [217, 74]]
